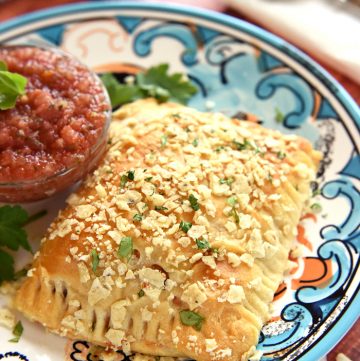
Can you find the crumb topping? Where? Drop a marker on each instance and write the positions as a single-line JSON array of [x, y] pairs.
[[162, 208]]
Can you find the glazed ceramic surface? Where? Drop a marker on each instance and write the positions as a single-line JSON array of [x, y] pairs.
[[242, 71]]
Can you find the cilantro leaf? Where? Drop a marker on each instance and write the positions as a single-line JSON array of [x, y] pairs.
[[125, 248], [11, 86], [281, 155], [95, 259], [202, 243], [155, 82], [12, 219], [185, 226], [316, 208], [194, 202], [120, 93], [160, 208], [227, 181], [190, 318], [13, 236], [231, 201], [6, 267], [235, 215], [123, 180], [243, 146], [131, 175], [17, 332], [138, 217], [180, 90]]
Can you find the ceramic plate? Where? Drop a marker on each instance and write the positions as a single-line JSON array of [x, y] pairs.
[[243, 71]]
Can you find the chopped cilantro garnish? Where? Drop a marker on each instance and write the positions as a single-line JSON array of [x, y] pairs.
[[195, 142], [164, 139], [185, 226], [227, 181], [232, 201], [155, 82], [148, 179], [316, 207], [131, 175], [281, 155], [317, 192], [94, 260], [279, 115], [160, 208], [194, 202], [138, 217], [235, 215], [17, 332], [242, 146], [219, 149], [125, 248], [202, 243], [141, 293], [190, 318], [123, 180]]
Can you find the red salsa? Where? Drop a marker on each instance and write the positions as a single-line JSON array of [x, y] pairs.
[[56, 126]]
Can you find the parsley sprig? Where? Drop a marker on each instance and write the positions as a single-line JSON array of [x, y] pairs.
[[155, 82], [11, 86], [13, 236]]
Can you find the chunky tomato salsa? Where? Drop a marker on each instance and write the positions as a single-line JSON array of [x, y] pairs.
[[59, 120]]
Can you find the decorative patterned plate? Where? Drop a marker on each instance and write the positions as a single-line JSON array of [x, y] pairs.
[[241, 70]]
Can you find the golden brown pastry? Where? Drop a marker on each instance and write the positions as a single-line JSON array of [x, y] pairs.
[[178, 241]]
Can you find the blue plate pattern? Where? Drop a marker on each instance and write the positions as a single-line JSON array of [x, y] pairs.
[[241, 70]]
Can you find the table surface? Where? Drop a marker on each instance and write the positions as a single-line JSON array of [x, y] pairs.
[[350, 344]]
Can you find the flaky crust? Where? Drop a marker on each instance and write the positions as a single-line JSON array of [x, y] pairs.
[[250, 184]]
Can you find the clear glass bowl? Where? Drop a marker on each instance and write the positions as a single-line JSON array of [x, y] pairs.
[[42, 187]]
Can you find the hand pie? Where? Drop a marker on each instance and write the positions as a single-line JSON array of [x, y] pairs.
[[178, 241]]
